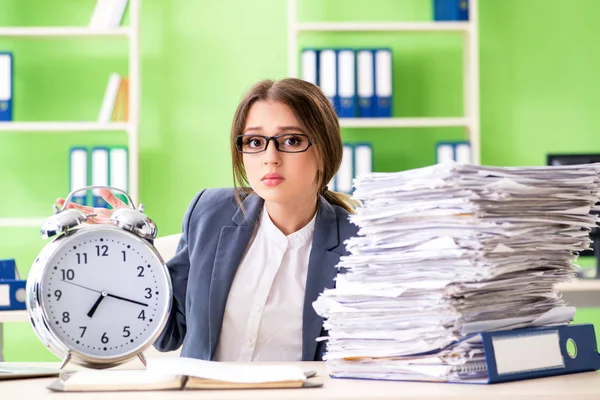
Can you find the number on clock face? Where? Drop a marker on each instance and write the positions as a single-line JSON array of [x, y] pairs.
[[104, 292]]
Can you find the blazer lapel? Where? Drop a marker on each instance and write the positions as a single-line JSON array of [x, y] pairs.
[[233, 241], [321, 274]]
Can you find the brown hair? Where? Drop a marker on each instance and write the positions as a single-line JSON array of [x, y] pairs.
[[317, 118]]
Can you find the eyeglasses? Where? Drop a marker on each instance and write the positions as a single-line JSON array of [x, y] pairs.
[[288, 143]]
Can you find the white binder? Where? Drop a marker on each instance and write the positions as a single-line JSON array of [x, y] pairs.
[[345, 175], [363, 159], [346, 62], [310, 66], [327, 74], [110, 97], [99, 174], [118, 168], [78, 172], [365, 83]]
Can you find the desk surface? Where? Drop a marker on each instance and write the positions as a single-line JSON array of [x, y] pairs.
[[575, 386]]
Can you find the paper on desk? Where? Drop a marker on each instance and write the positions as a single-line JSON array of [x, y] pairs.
[[226, 372]]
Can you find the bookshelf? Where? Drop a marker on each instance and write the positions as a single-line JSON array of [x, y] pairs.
[[131, 127], [469, 31]]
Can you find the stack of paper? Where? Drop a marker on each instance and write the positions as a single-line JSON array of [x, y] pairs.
[[449, 250]]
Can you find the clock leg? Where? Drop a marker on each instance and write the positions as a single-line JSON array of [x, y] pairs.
[[65, 361], [142, 358]]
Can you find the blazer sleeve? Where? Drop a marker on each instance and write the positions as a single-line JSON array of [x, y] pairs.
[[174, 331]]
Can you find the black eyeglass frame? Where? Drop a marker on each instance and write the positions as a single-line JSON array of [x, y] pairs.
[[239, 138]]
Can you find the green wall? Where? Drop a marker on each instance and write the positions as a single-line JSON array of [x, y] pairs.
[[538, 73]]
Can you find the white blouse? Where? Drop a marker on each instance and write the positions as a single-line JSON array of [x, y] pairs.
[[263, 315]]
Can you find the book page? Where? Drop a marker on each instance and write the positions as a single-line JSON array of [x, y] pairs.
[[116, 379], [226, 372]]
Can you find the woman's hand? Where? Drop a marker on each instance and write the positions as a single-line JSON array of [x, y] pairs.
[[102, 214]]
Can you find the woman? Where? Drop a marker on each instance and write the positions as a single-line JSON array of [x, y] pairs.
[[251, 260]]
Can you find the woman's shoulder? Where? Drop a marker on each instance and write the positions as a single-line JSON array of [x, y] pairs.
[[210, 203]]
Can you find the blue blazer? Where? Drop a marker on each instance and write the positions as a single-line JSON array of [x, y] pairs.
[[215, 236]]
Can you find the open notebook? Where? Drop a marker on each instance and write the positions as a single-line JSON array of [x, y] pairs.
[[186, 373]]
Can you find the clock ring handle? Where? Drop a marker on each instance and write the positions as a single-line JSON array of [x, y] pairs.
[[68, 199]]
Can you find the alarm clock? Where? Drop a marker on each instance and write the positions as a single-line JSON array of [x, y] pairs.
[[98, 294]]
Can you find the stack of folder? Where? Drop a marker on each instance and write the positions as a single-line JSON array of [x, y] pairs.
[[357, 82], [451, 257]]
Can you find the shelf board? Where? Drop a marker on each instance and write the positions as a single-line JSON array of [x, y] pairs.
[[62, 126], [384, 26], [403, 122], [21, 222], [64, 32]]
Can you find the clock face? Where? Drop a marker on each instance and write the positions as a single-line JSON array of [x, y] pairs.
[[104, 292]]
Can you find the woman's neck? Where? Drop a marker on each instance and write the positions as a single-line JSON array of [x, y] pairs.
[[293, 216]]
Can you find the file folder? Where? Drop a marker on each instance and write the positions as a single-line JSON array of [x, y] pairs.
[[363, 159], [346, 68], [383, 83], [453, 151], [345, 175], [78, 174], [365, 83], [12, 289], [310, 66], [119, 171], [538, 352], [462, 153], [451, 10], [6, 87], [327, 76], [444, 152], [100, 171]]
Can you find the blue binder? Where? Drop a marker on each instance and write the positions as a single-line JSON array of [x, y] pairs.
[[309, 69], [78, 173], [12, 289], [365, 82], [328, 76], [6, 86], [453, 151], [568, 349], [383, 83], [451, 10], [100, 171], [346, 82]]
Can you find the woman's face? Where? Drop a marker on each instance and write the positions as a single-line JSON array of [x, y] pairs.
[[274, 175]]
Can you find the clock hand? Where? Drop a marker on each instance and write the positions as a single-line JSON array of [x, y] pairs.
[[96, 304], [103, 294], [81, 286], [129, 300]]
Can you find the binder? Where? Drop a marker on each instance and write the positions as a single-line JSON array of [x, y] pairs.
[[444, 152], [327, 76], [345, 175], [100, 171], [6, 86], [451, 10], [462, 152], [365, 83], [310, 66], [12, 288], [78, 174], [110, 98], [453, 151], [538, 352], [363, 159], [119, 171], [108, 14], [383, 83], [346, 72]]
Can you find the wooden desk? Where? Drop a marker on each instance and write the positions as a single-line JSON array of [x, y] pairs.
[[583, 386]]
